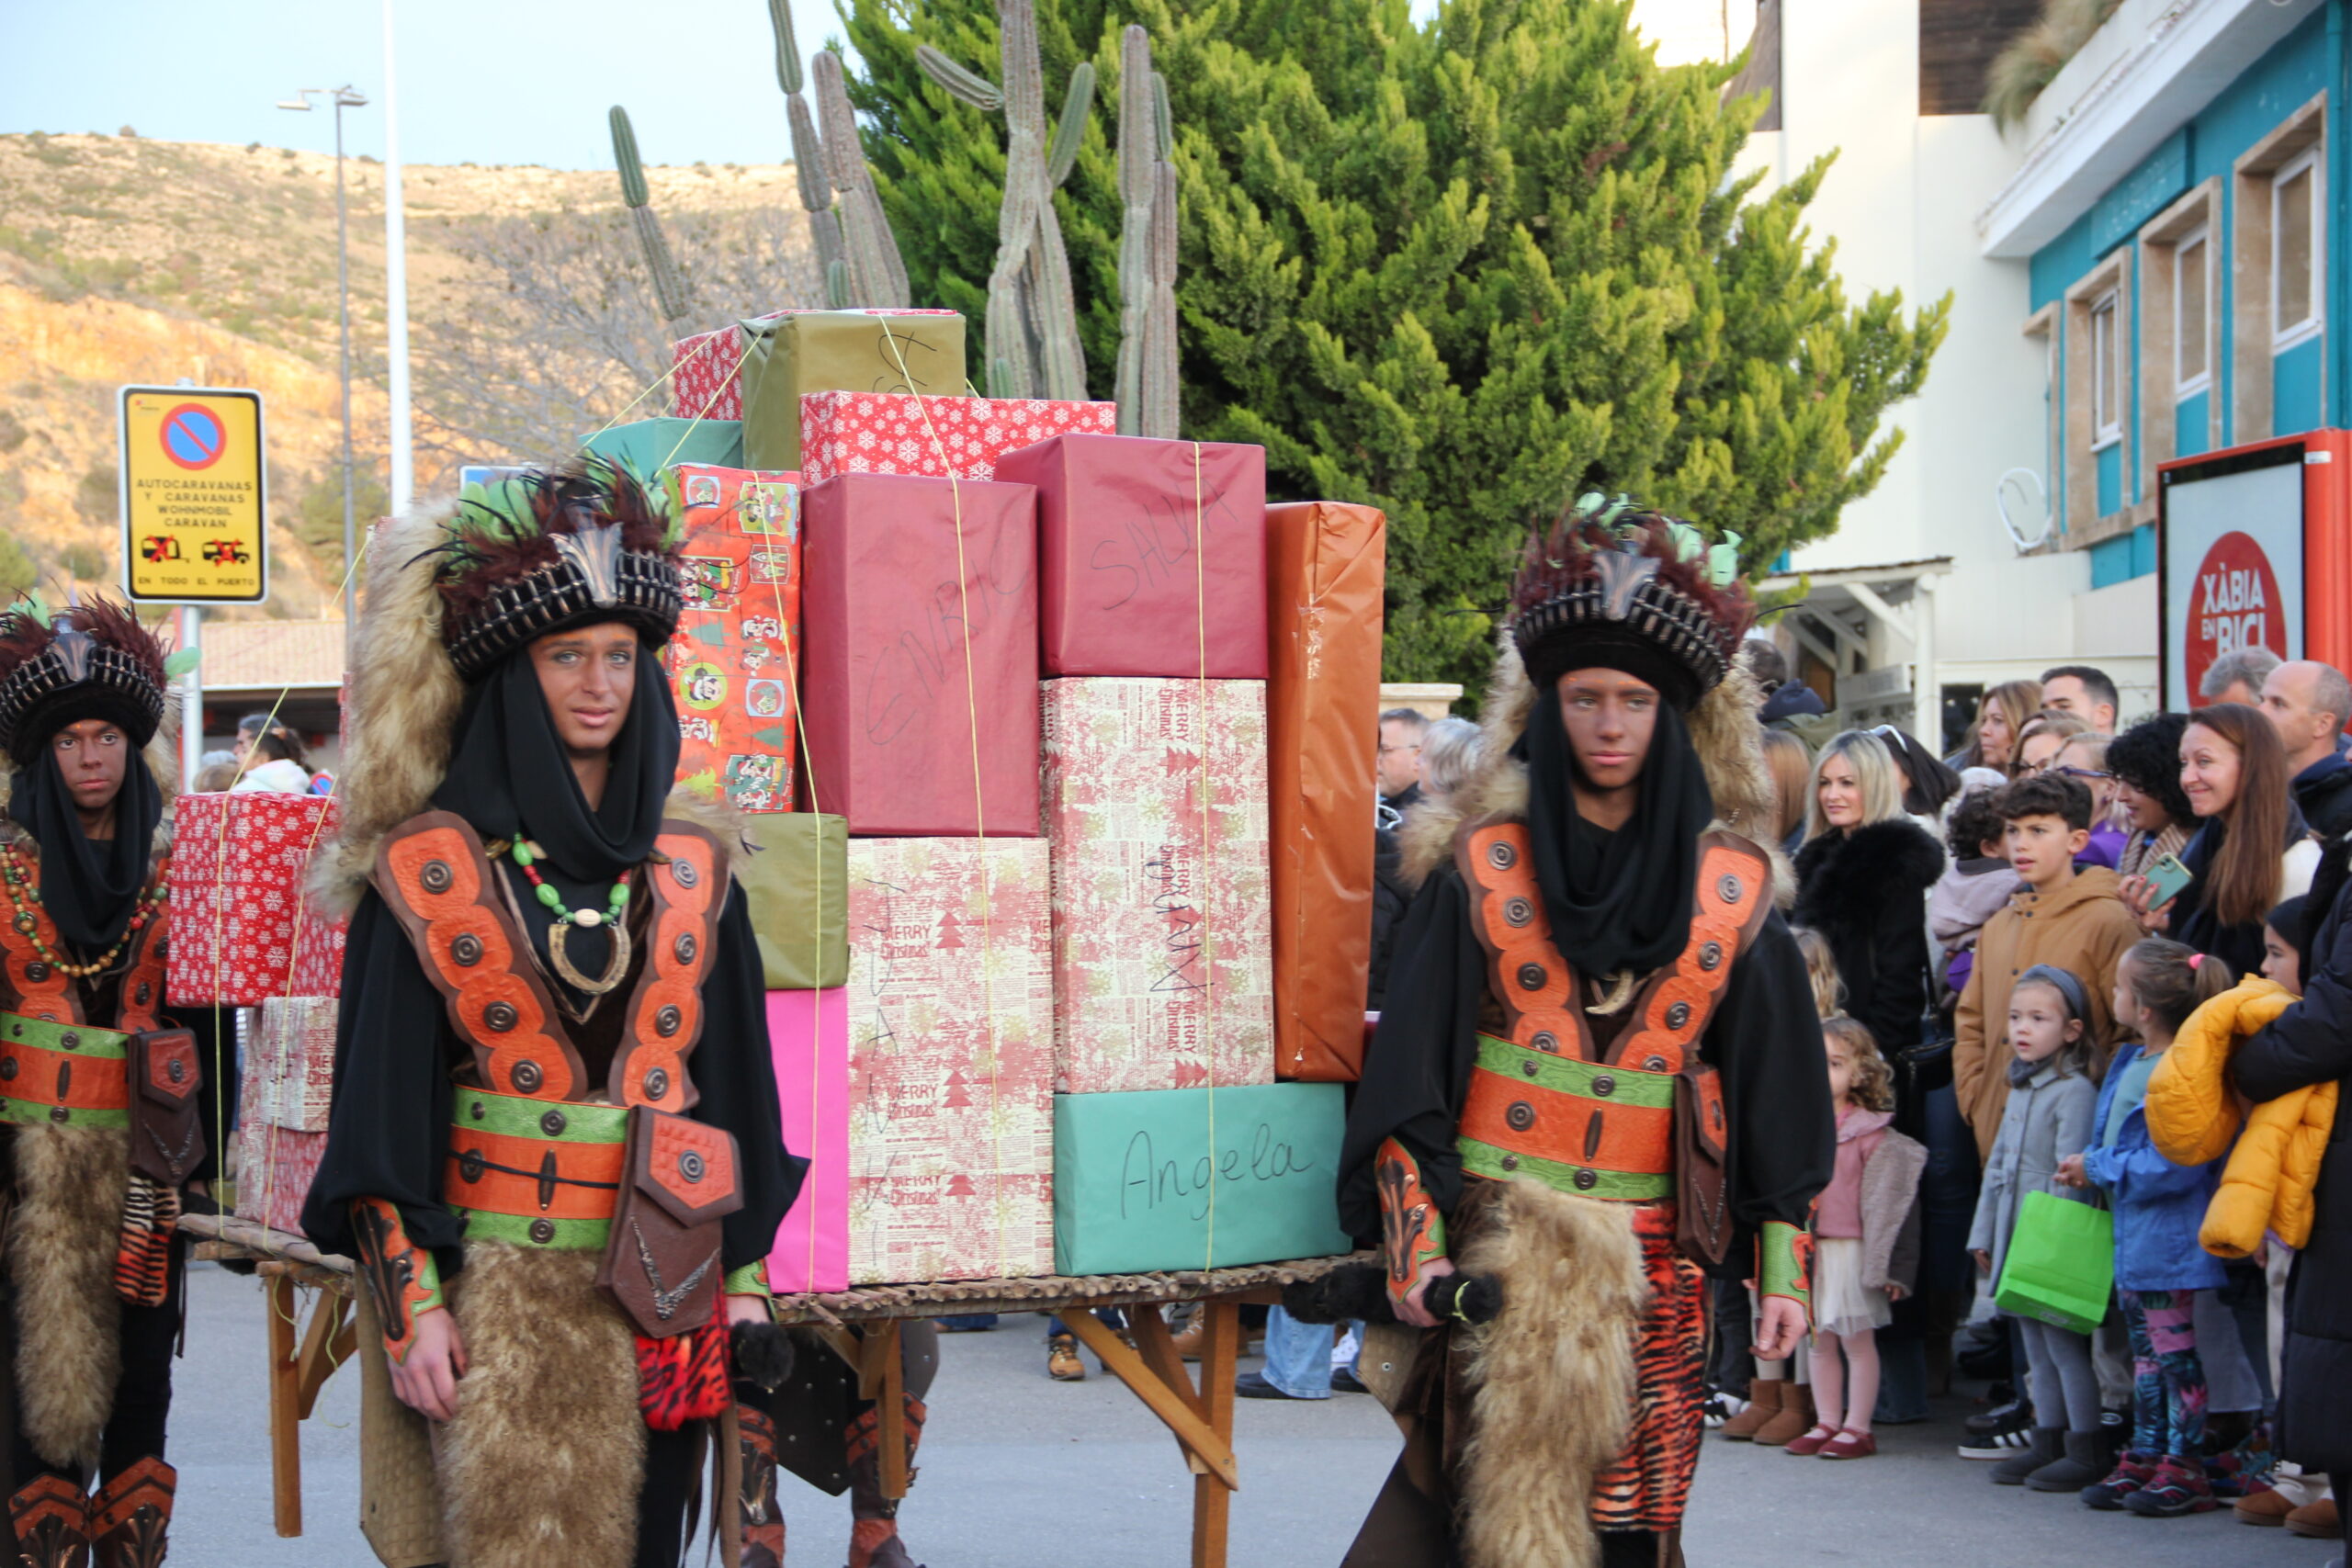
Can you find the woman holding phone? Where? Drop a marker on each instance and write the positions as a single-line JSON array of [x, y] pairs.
[[2250, 851], [2145, 761]]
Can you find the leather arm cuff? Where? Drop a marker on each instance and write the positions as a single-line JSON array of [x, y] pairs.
[[1412, 1231], [401, 1276], [1784, 1263], [751, 1280]]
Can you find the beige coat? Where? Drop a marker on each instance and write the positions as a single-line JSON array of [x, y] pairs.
[[2082, 927]]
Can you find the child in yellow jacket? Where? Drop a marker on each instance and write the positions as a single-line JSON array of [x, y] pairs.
[[2194, 1114]]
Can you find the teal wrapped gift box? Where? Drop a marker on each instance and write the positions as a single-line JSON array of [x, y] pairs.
[[650, 445], [1140, 1184]]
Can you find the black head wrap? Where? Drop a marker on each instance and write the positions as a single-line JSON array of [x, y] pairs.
[[511, 778], [1618, 900], [90, 887]]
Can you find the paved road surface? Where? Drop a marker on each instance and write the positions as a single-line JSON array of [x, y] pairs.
[[1021, 1473]]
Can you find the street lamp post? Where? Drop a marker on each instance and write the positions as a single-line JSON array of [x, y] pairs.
[[343, 97]]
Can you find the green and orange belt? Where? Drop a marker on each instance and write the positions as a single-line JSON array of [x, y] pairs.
[[63, 1074], [539, 1173], [1589, 1128]]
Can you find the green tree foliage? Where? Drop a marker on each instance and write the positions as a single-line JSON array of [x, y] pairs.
[[19, 570], [318, 518], [1462, 271]]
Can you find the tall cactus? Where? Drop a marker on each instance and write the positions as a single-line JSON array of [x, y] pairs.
[[1146, 375], [876, 274], [1033, 346], [807, 153], [669, 289]]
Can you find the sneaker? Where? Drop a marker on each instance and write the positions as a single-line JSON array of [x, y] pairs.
[[1256, 1385], [1062, 1364], [1344, 1381], [2133, 1471], [1999, 1434], [2003, 1417], [1720, 1407], [2178, 1487]]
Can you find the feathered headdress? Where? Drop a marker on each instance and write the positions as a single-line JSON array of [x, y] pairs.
[[1616, 584], [530, 555], [90, 661]]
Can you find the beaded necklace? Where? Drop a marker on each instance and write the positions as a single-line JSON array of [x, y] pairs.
[[24, 892], [525, 854]]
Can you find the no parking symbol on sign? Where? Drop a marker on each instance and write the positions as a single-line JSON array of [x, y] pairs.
[[194, 496]]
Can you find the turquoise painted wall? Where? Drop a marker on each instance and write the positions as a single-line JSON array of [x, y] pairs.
[[2304, 63]]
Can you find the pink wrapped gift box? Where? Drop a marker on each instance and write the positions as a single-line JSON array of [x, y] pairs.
[[1164, 915], [706, 380], [290, 1063], [275, 1165], [809, 1035], [961, 438], [951, 1131], [242, 928]]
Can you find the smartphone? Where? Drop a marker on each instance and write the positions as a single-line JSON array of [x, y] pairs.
[[2168, 878]]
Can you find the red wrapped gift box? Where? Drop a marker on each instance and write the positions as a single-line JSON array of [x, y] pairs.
[[885, 433], [243, 928], [1153, 555], [896, 728], [275, 1168], [732, 660]]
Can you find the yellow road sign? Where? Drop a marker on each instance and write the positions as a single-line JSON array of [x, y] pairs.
[[194, 496]]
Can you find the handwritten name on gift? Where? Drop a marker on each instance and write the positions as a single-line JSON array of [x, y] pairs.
[[1148, 1181]]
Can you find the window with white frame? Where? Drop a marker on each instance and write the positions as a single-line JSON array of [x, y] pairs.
[[2192, 313], [2296, 263], [2107, 371]]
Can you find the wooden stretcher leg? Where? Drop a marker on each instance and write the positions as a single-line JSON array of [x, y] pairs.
[[1213, 1493], [285, 1406], [328, 1344], [1177, 1407], [892, 1428], [1158, 1349]]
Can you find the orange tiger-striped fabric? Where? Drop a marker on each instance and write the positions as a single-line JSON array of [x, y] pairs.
[[1649, 1485], [142, 1258]]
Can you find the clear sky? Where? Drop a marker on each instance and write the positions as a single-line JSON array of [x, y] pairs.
[[480, 81]]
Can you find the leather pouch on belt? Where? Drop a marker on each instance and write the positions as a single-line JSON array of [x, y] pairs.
[[679, 1181], [166, 1131], [1703, 1225]]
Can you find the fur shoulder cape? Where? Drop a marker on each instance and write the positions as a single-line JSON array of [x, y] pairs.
[[405, 701], [1723, 729], [1854, 878]]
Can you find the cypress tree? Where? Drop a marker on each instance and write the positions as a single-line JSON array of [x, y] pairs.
[[1462, 271]]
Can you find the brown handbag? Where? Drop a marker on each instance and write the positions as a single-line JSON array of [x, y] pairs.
[[166, 1130], [1702, 1221], [678, 1182]]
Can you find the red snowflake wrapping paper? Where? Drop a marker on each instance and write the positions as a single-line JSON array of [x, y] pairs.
[[237, 869], [289, 1063], [959, 438], [1163, 913], [706, 380], [733, 661], [951, 1136]]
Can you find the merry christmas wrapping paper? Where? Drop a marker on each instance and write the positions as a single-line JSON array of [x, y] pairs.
[[1163, 934], [733, 660], [951, 1138], [236, 887], [874, 432], [290, 1063]]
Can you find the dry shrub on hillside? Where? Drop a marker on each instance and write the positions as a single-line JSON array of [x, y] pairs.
[[557, 332]]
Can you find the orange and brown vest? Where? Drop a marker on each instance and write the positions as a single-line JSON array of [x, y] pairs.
[[57, 1064], [1548, 1100]]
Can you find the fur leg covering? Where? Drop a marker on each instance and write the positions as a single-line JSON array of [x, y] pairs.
[[543, 1465], [61, 1237], [1552, 1376]]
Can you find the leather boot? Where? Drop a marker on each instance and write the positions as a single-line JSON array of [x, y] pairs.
[[51, 1521], [762, 1521], [1764, 1397], [2047, 1445], [1791, 1421], [129, 1516], [874, 1531]]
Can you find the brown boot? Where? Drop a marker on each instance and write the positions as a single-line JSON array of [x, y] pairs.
[[130, 1514], [874, 1532], [1764, 1395], [51, 1521], [1188, 1343], [762, 1521], [1062, 1364], [1792, 1421]]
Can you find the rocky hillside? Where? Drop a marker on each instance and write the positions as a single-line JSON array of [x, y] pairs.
[[127, 260]]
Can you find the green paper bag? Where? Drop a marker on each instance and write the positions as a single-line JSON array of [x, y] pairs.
[[796, 882], [1132, 1177], [2061, 1263], [839, 350], [650, 445]]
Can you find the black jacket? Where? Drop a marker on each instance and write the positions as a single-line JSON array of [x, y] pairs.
[[2324, 793], [1866, 892], [1390, 899], [2311, 1042]]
